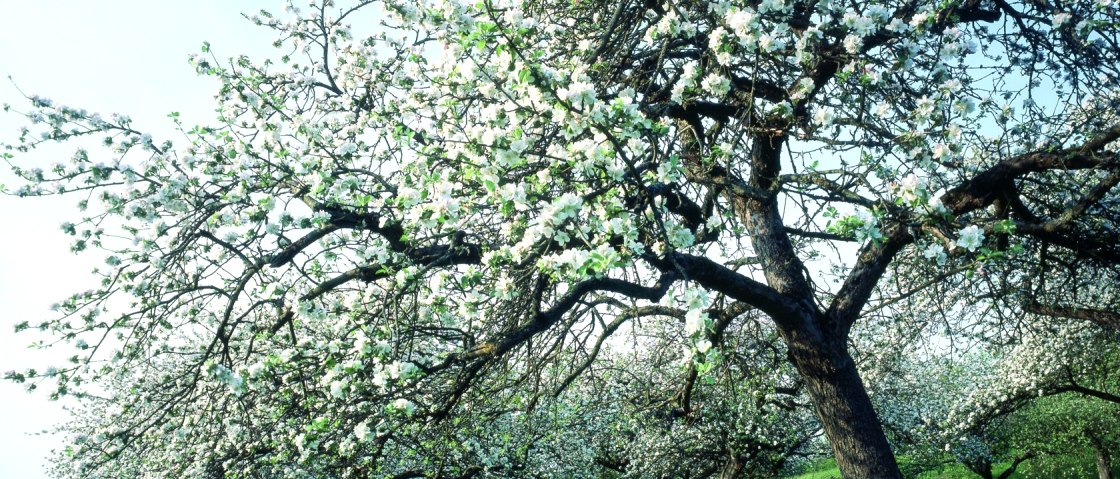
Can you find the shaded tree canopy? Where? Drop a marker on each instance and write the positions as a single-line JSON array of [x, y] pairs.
[[578, 238]]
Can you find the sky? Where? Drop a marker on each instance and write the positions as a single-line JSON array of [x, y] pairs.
[[109, 56]]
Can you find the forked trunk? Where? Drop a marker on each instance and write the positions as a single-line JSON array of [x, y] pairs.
[[981, 468], [844, 409]]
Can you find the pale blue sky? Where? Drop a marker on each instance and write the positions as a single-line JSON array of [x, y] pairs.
[[124, 56]]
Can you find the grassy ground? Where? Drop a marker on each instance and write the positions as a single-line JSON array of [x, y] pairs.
[[958, 471], [826, 469], [822, 469], [1063, 466]]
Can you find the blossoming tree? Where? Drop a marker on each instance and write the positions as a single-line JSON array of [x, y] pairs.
[[1049, 394], [425, 231], [1064, 383]]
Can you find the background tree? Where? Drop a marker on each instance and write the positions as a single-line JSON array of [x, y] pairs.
[[1079, 431], [1050, 399], [398, 229]]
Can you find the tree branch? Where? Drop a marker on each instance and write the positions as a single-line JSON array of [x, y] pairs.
[[987, 186], [1108, 319], [872, 262], [718, 277]]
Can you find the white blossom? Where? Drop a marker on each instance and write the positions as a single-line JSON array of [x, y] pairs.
[[970, 238], [716, 84], [695, 321], [935, 252]]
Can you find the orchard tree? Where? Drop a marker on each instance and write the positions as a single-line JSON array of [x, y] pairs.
[[986, 405], [1065, 383], [422, 223], [1077, 428]]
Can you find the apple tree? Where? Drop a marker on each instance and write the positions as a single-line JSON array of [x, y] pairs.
[[424, 227]]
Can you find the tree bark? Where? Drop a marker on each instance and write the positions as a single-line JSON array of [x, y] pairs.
[[843, 407], [1104, 459], [817, 341]]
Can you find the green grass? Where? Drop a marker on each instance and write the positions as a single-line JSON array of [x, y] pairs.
[[822, 469], [1044, 467], [826, 469], [958, 471]]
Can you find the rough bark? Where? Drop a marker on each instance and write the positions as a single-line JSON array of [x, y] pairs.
[[817, 342], [843, 407]]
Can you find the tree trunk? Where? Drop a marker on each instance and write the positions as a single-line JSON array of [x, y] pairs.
[[1104, 459], [844, 409], [981, 468]]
